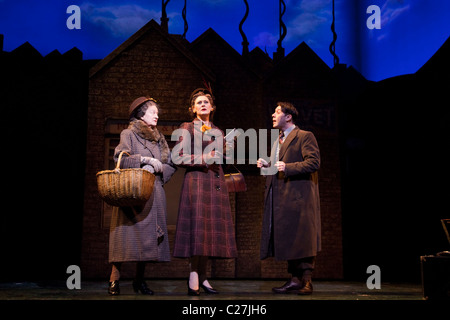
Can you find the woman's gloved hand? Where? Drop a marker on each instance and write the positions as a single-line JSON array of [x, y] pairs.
[[155, 163]]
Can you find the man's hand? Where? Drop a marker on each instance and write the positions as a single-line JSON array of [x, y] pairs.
[[280, 165], [261, 163]]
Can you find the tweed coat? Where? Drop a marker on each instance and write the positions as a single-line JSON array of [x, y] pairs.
[[204, 225], [134, 234], [291, 222]]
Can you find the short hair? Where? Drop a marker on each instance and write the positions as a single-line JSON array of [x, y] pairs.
[[140, 111], [288, 108]]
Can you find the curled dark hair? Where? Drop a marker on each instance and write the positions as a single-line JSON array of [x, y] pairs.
[[288, 108]]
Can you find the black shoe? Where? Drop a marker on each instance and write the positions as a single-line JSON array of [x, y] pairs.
[[289, 287], [114, 288], [192, 292], [142, 287], [208, 290], [306, 289]]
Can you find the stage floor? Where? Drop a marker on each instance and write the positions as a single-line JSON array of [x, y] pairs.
[[229, 290]]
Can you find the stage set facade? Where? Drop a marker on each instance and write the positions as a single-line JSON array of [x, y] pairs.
[[246, 87]]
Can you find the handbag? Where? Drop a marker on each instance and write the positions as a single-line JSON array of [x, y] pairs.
[[235, 181]]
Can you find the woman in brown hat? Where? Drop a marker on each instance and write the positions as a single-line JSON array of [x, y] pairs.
[[140, 234], [204, 225]]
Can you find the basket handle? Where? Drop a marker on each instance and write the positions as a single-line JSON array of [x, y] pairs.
[[120, 158]]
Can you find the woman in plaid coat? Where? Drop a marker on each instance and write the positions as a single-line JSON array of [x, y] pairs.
[[204, 226]]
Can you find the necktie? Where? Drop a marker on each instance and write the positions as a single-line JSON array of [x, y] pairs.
[[281, 137]]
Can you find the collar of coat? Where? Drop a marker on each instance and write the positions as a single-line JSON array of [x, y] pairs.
[[287, 141], [199, 123], [151, 134]]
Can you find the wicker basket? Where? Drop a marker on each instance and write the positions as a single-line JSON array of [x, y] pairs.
[[125, 187]]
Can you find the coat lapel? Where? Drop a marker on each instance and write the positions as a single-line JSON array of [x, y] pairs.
[[286, 142], [150, 146]]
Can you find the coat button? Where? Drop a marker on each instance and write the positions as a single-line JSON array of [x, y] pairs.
[[217, 175], [217, 188]]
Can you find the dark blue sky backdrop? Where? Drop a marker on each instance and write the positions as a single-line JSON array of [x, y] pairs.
[[411, 30]]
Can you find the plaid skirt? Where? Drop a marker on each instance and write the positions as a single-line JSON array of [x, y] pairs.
[[204, 226]]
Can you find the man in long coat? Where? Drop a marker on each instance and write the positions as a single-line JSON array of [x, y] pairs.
[[291, 224]]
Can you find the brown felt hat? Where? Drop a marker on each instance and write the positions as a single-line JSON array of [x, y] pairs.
[[137, 103]]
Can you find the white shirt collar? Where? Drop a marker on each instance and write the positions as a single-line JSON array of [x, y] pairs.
[[288, 130]]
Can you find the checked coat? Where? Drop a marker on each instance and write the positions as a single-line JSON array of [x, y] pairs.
[[142, 235], [204, 225]]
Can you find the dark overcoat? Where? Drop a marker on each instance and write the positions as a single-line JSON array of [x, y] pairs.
[[142, 235], [204, 225], [291, 223]]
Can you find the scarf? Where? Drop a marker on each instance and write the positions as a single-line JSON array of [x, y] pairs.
[[151, 134]]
